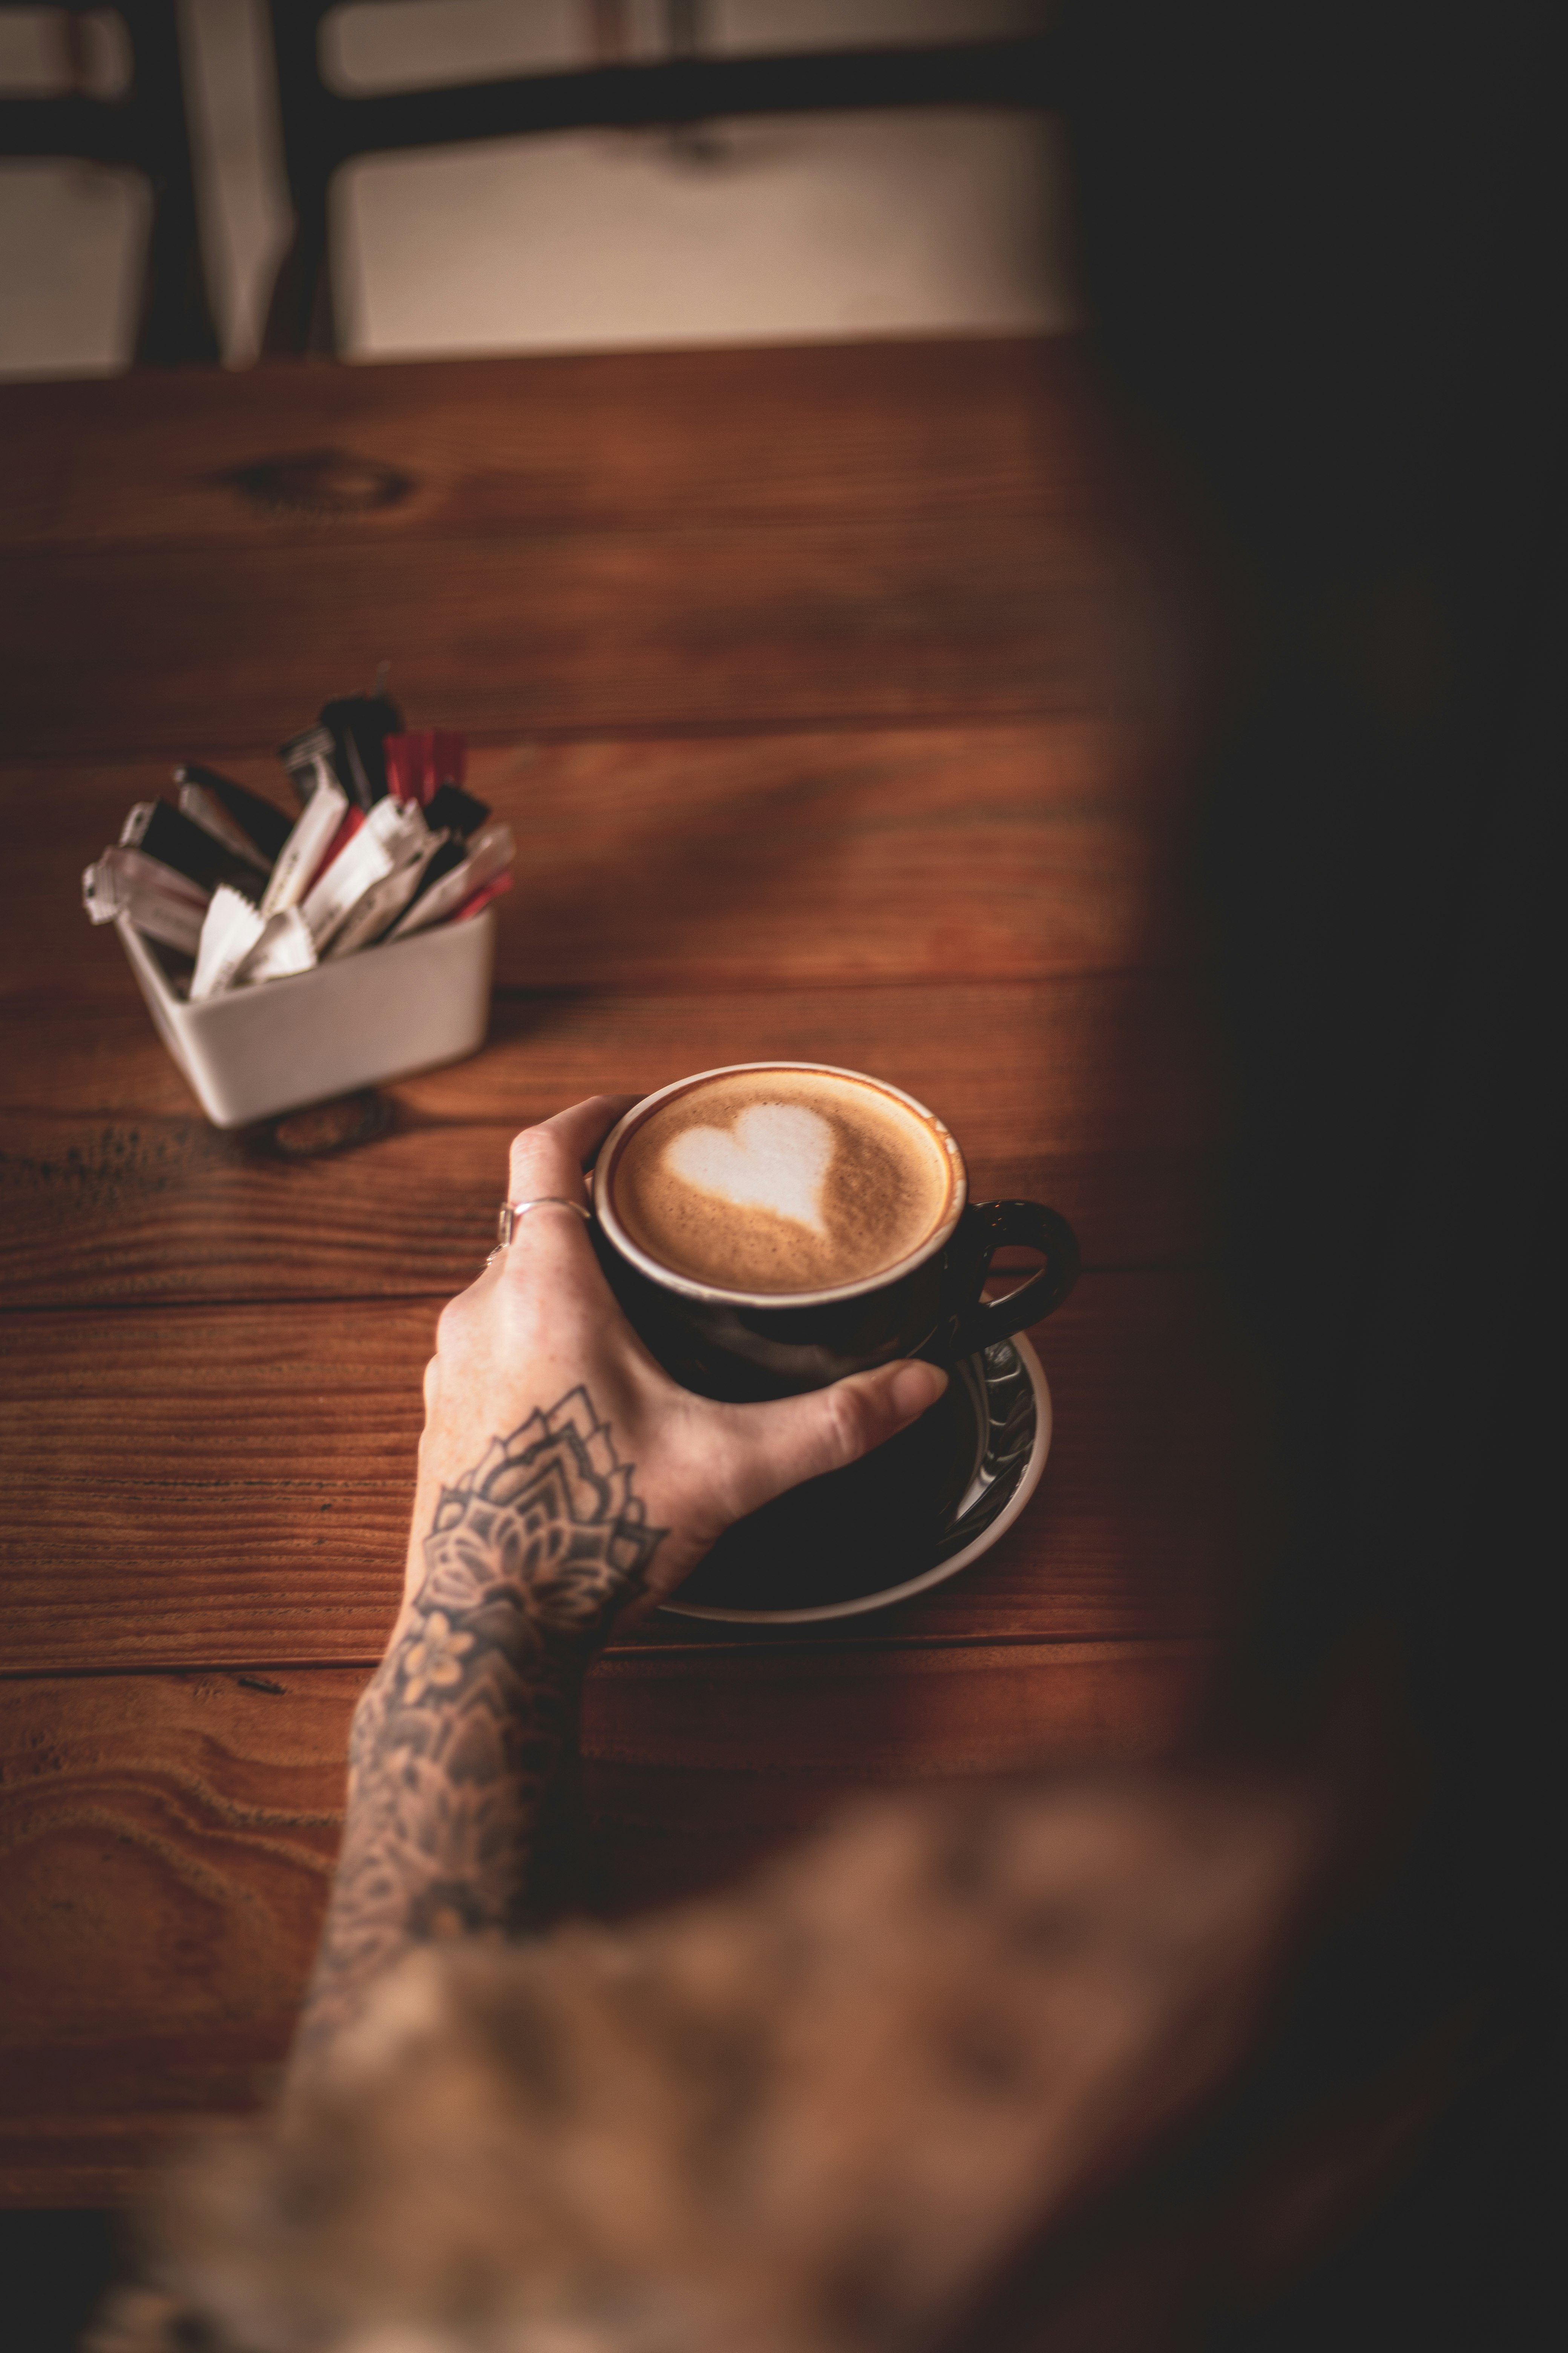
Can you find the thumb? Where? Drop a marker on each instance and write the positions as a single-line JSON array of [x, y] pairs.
[[800, 1437]]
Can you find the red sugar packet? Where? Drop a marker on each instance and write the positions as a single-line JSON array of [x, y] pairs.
[[339, 843], [482, 897], [418, 765]]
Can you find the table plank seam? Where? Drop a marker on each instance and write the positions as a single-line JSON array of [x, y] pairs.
[[873, 1646], [924, 719]]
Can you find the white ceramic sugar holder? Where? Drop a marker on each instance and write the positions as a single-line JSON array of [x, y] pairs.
[[379, 1015]]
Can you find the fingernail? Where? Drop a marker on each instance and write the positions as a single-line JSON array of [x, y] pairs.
[[914, 1386]]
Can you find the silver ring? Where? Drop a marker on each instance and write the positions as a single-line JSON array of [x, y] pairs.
[[511, 1212]]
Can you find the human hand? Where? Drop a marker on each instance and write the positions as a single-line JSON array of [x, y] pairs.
[[562, 1477], [537, 1353]]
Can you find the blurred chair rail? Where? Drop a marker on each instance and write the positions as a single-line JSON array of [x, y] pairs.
[[323, 128], [146, 129]]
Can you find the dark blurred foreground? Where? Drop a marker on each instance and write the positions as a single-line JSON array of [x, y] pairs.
[[1325, 253]]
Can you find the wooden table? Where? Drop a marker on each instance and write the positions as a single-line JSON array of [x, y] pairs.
[[842, 701]]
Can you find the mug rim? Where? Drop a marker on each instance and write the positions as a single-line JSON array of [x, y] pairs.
[[722, 1295]]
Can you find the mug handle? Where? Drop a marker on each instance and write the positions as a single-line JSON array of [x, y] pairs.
[[988, 1227]]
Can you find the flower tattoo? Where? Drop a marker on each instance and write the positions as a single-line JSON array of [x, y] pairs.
[[435, 1659], [458, 1734], [551, 1509]]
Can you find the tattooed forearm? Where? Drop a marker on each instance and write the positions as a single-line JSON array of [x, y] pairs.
[[459, 1736]]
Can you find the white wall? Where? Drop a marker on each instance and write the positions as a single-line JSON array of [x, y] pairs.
[[794, 227]]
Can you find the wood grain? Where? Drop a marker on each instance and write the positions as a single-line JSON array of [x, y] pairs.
[[166, 1841], [1008, 852], [166, 1846], [893, 621], [1092, 1093], [492, 447], [843, 703], [161, 1834], [231, 1484], [682, 1792], [859, 1715], [674, 540]]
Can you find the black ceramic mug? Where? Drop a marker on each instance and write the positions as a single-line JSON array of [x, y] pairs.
[[742, 1346]]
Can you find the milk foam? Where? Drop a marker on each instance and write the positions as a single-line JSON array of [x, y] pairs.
[[780, 1179], [774, 1158]]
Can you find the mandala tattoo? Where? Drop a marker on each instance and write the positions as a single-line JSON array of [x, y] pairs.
[[459, 1736]]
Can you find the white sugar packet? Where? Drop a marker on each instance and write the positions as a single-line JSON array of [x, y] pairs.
[[164, 904], [309, 760], [492, 848], [305, 849], [385, 900], [285, 948], [231, 930], [391, 835]]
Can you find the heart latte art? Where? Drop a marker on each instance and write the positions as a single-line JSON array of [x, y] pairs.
[[774, 1158], [783, 1180]]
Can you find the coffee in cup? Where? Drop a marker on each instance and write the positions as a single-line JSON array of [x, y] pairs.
[[785, 1182]]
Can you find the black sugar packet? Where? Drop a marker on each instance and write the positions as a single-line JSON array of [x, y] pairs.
[[451, 854], [450, 809], [359, 725], [350, 736], [166, 834], [260, 820]]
